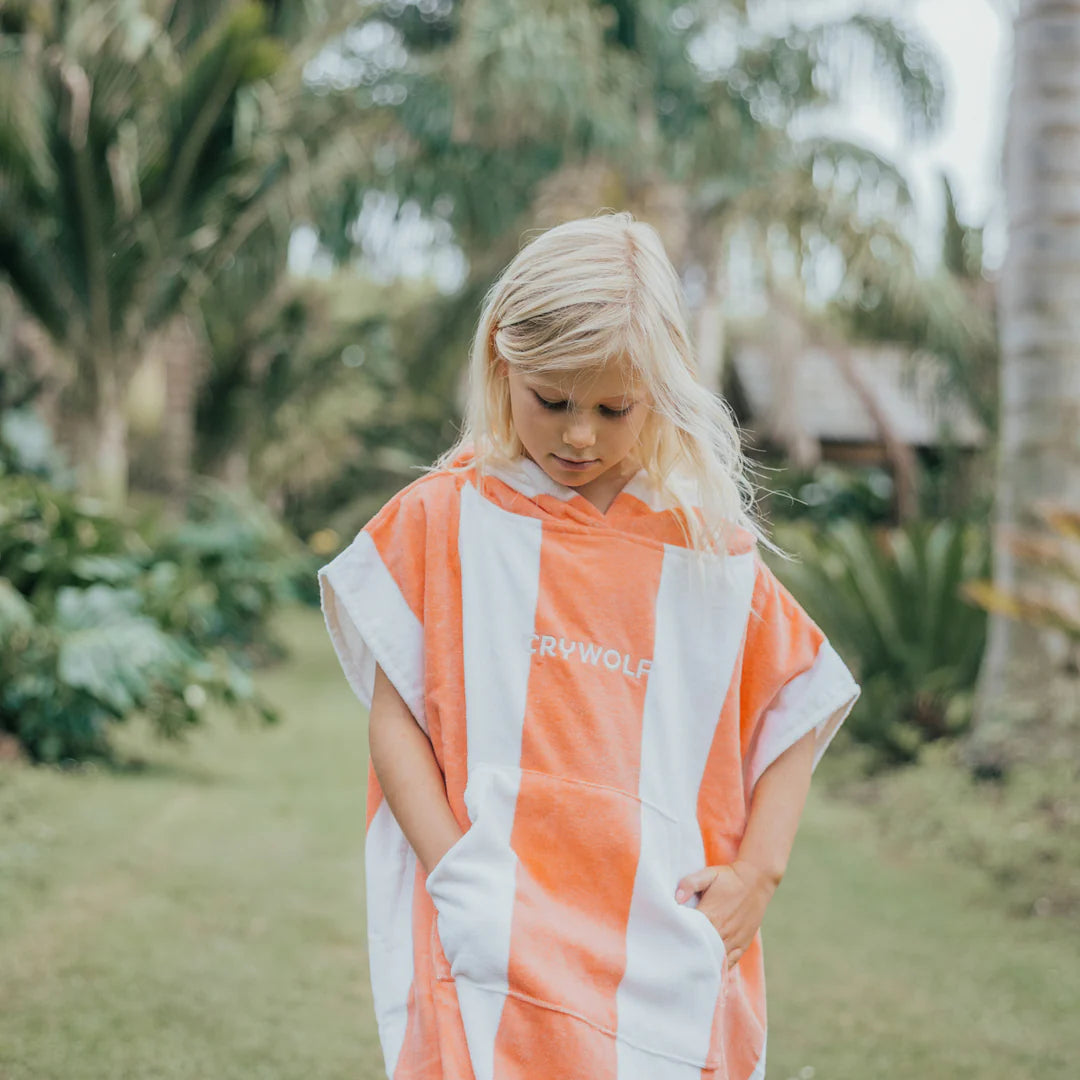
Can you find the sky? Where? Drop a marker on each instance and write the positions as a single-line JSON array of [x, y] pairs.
[[972, 38]]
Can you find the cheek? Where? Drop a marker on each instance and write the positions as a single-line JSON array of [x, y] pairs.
[[531, 420], [632, 430], [520, 407]]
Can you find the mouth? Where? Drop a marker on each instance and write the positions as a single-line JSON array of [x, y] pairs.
[[575, 466]]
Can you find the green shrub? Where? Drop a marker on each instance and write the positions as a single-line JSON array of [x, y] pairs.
[[890, 601], [220, 573], [830, 492], [81, 596], [103, 618]]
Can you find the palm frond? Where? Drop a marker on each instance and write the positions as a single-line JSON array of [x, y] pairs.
[[869, 53]]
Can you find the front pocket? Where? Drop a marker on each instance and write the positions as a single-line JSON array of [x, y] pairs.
[[561, 893], [713, 941]]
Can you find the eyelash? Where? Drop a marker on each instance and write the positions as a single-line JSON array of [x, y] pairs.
[[559, 406]]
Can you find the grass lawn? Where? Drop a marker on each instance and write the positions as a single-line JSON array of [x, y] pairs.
[[203, 918]]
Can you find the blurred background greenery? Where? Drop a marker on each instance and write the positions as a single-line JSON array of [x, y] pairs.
[[214, 367]]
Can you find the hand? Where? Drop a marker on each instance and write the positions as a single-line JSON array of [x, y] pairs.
[[734, 899]]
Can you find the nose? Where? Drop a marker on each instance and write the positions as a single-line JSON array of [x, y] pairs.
[[579, 433]]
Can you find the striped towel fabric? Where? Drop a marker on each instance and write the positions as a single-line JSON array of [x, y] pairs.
[[601, 700]]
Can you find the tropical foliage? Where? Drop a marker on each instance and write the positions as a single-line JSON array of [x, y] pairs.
[[158, 157], [700, 118], [891, 603], [146, 145], [103, 619], [194, 138], [1054, 554], [829, 493]]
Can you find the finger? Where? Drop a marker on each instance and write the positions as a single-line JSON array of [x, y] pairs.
[[696, 882]]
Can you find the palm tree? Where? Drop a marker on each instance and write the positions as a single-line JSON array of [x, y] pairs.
[[144, 145], [519, 114], [1039, 448]]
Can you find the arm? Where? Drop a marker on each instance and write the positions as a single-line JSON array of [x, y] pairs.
[[735, 897], [409, 775], [778, 801]]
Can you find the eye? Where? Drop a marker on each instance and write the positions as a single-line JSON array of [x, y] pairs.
[[606, 411], [555, 406]]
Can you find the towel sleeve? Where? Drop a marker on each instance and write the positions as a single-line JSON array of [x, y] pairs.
[[793, 680], [372, 597]]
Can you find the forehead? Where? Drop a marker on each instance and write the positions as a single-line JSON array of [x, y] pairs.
[[612, 381]]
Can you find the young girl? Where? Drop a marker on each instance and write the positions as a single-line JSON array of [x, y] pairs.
[[594, 711]]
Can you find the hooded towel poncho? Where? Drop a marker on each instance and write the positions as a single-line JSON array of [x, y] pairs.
[[601, 707]]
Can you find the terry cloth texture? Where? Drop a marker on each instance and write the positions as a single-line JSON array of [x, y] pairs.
[[601, 704]]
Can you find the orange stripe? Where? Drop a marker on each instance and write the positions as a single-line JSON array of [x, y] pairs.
[[541, 1045], [434, 1044], [420, 1053], [781, 642], [744, 1015], [416, 537], [401, 539], [374, 794], [444, 675], [577, 824], [721, 806], [444, 703], [738, 1031], [738, 1025]]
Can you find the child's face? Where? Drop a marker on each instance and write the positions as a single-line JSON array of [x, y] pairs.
[[582, 430]]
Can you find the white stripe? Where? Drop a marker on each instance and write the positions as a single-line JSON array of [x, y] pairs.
[[390, 878], [370, 621], [500, 572], [526, 476], [643, 490], [635, 1064], [481, 1011], [820, 698], [759, 1068], [698, 631], [473, 886], [658, 498]]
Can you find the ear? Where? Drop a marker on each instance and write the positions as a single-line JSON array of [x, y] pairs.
[[502, 368]]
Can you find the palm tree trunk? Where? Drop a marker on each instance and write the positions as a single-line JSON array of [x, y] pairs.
[[108, 476], [182, 370], [1039, 448]]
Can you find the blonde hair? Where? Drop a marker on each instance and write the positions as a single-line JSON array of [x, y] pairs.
[[583, 294]]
